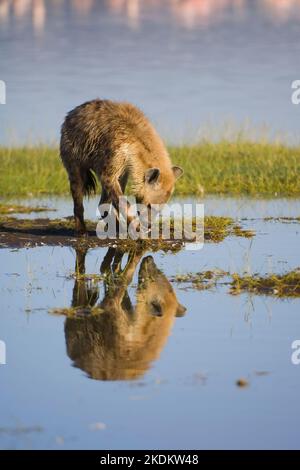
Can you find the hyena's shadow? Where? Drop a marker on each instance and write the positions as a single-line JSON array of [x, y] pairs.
[[121, 340]]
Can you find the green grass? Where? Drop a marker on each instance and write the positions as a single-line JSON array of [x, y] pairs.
[[31, 171], [239, 167]]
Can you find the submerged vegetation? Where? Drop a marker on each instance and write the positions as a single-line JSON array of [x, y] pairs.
[[201, 280], [278, 285], [285, 285], [238, 167], [284, 220]]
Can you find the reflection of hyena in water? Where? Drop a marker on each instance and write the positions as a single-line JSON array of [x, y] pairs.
[[121, 342], [116, 141]]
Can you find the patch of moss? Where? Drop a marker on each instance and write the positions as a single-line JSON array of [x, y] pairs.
[[285, 285]]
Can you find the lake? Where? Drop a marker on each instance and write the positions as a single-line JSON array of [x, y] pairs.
[[68, 384], [155, 363], [194, 66]]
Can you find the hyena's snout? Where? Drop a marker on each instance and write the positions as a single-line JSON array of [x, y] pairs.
[[148, 270], [159, 185]]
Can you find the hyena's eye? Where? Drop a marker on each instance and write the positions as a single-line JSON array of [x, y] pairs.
[[155, 308]]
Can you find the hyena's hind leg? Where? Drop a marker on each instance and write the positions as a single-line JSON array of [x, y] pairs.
[[77, 190]]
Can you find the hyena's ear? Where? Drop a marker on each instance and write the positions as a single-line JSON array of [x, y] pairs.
[[152, 175], [180, 310], [177, 171]]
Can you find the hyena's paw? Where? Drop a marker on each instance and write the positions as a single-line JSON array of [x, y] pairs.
[[81, 234], [84, 235], [80, 228], [81, 231]]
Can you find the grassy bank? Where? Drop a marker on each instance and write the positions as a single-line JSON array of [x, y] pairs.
[[235, 168]]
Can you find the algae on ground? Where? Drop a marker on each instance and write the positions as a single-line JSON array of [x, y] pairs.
[[61, 231]]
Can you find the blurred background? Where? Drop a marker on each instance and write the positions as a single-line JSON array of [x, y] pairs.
[[194, 66]]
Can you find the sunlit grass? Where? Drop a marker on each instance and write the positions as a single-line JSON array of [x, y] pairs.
[[239, 167], [31, 171]]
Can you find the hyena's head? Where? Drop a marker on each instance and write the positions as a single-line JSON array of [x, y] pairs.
[[158, 185], [155, 294]]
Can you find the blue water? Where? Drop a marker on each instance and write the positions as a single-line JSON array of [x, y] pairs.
[[194, 66], [187, 396]]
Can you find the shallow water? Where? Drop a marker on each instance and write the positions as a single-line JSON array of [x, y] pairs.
[[189, 64], [66, 383]]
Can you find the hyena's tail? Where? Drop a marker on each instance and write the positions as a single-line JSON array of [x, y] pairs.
[[90, 183]]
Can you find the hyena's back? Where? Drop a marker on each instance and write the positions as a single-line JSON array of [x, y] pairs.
[[101, 134]]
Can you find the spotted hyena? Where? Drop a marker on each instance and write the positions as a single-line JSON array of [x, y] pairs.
[[114, 141]]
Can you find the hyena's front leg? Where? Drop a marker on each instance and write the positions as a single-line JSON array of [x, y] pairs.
[[103, 200], [107, 260], [115, 193], [106, 197], [85, 294], [120, 279]]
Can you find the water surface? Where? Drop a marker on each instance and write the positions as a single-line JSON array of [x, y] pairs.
[[65, 384], [191, 65]]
